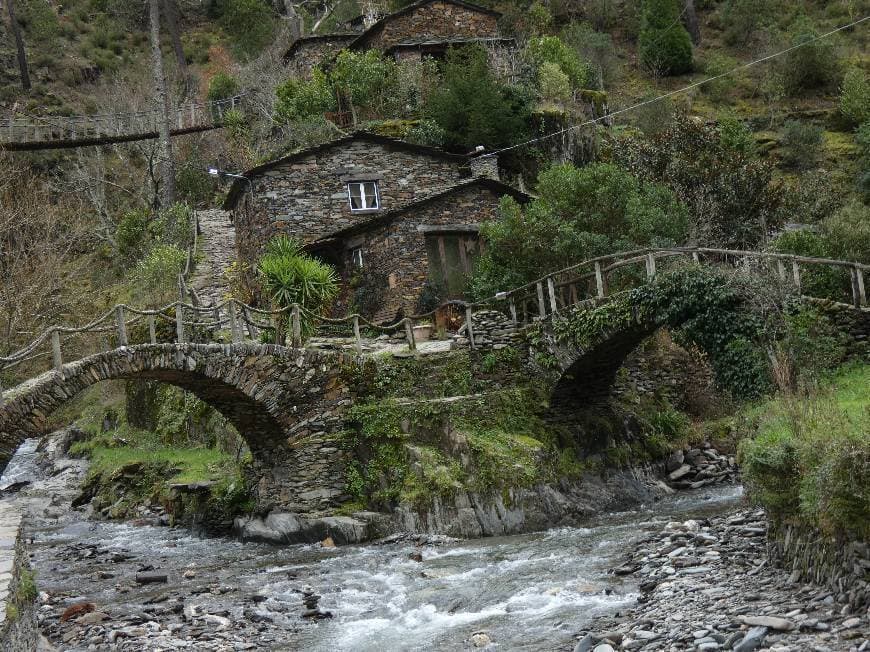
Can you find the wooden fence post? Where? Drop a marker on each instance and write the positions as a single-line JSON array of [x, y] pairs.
[[599, 280], [859, 295], [796, 275], [696, 258], [780, 268], [551, 290], [235, 333], [469, 326], [2, 398], [152, 329], [296, 326], [650, 266], [356, 336], [122, 326], [179, 323], [542, 309], [409, 334], [55, 350], [252, 330], [513, 309]]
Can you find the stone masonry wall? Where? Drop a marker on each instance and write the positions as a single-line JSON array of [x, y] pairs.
[[307, 198], [432, 22], [841, 566], [307, 53], [399, 248], [18, 629]]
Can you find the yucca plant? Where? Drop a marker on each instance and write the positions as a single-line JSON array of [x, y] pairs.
[[289, 275]]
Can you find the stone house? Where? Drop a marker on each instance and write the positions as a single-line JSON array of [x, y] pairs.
[[382, 211], [423, 28]]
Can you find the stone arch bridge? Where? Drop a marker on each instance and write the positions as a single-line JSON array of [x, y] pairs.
[[286, 403], [289, 402]]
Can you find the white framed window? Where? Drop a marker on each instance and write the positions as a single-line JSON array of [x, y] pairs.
[[356, 257], [363, 195]]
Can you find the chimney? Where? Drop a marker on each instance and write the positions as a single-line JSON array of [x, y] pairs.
[[484, 166]]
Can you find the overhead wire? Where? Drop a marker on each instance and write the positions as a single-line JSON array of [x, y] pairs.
[[675, 92]]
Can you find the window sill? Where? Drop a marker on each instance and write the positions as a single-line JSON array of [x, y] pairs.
[[364, 211]]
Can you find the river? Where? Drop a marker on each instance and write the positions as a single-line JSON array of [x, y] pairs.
[[528, 592]]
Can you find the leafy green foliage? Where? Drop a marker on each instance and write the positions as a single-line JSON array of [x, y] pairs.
[[249, 23], [742, 19], [158, 272], [813, 65], [222, 86], [731, 195], [595, 48], [473, 108], [553, 84], [290, 276], [551, 49], [580, 213], [302, 99], [811, 456], [664, 45], [801, 144], [855, 96]]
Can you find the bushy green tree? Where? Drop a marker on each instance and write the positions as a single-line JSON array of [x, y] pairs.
[[813, 65], [290, 276], [664, 45], [302, 99], [855, 97], [731, 195], [801, 144], [552, 49], [553, 84], [156, 275], [597, 50], [473, 108], [222, 86], [250, 24], [580, 213]]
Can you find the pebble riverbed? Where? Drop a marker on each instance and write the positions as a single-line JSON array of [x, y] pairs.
[[687, 573]]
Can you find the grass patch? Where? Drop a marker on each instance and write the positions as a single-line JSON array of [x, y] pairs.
[[809, 458]]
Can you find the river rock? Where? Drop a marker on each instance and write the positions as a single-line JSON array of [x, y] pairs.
[[603, 647], [752, 640], [780, 624], [675, 461], [480, 639], [152, 577], [682, 471]]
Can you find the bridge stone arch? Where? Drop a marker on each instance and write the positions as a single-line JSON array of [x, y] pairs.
[[286, 403], [586, 372]]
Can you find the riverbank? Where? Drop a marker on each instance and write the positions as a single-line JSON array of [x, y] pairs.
[[708, 585], [136, 586]]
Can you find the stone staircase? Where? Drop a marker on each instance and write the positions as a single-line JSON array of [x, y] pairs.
[[217, 251]]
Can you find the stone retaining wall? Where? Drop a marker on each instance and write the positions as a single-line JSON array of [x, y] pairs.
[[18, 629], [840, 565]]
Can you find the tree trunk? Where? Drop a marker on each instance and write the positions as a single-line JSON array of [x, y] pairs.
[[167, 168], [690, 21], [170, 13], [19, 44]]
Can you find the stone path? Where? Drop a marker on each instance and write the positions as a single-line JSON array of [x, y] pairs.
[[217, 251]]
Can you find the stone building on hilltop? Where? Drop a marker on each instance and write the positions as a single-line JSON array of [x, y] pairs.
[[397, 216], [423, 28]]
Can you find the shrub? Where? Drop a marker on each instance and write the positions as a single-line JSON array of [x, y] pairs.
[[131, 233], [249, 23], [813, 65], [38, 19], [551, 49], [731, 195], [855, 97], [222, 87], [598, 50], [816, 280], [157, 273], [718, 89], [290, 276], [301, 100], [664, 44], [742, 18], [800, 144], [426, 132], [848, 232], [473, 108], [553, 84], [736, 135], [538, 18]]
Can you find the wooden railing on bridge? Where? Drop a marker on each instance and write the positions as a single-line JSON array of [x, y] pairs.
[[27, 132], [234, 321]]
